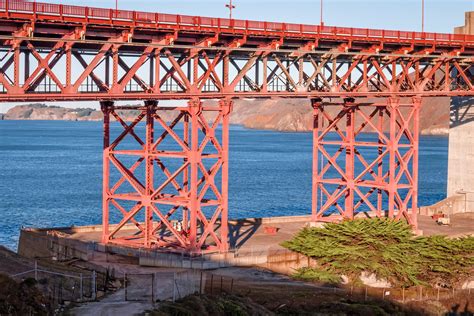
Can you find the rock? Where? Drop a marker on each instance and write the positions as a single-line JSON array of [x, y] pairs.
[[316, 224], [344, 279], [370, 279]]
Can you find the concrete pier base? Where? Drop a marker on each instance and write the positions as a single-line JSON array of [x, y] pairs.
[[251, 244]]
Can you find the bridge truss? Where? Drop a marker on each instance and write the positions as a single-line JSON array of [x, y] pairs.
[[166, 171], [177, 169]]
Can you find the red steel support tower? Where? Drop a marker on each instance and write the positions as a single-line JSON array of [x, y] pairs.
[[167, 181], [365, 158]]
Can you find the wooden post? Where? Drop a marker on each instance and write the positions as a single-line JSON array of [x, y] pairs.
[[152, 288], [81, 284], [36, 270], [125, 285], [200, 284], [174, 287], [212, 281], [94, 285]]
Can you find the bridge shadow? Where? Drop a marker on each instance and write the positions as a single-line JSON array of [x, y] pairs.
[[240, 231], [461, 111]]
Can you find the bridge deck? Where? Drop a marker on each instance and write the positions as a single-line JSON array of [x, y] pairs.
[[37, 11]]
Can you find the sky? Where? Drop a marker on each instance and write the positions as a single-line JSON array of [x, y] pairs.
[[440, 15]]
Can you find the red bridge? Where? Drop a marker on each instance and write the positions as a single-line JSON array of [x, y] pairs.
[[170, 179]]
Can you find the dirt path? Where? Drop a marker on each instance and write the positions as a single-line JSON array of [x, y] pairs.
[[112, 305]]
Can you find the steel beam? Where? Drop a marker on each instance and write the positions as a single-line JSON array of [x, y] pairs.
[[158, 72]]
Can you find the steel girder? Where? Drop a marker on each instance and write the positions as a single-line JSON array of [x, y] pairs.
[[70, 68], [365, 160], [165, 181]]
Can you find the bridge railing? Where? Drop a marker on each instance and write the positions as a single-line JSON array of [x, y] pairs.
[[148, 19]]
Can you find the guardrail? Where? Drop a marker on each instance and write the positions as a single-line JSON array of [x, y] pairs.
[[60, 12]]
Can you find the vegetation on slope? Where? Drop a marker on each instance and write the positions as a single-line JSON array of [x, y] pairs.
[[20, 298], [211, 305], [385, 247], [296, 302]]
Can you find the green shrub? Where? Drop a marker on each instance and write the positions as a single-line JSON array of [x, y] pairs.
[[315, 274], [387, 248]]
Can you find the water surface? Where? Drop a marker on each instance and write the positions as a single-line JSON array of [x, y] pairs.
[[50, 174]]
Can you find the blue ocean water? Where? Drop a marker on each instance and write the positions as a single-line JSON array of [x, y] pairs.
[[50, 174]]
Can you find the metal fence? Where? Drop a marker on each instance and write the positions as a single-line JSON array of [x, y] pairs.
[[162, 286], [403, 295], [60, 286], [218, 284], [172, 286]]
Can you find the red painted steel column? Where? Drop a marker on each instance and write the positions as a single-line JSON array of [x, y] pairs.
[[316, 104], [194, 109], [226, 109], [381, 110], [393, 104], [106, 107], [186, 171], [115, 68], [350, 156], [416, 142], [16, 67], [68, 67], [149, 173]]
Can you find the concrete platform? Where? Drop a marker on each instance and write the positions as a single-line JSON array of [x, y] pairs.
[[251, 245]]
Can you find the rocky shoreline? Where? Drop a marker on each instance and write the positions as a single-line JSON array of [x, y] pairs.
[[291, 115]]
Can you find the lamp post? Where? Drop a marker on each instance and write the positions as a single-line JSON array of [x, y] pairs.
[[422, 16], [321, 13], [231, 7]]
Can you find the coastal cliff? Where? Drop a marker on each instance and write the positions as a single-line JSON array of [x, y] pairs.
[[292, 115]]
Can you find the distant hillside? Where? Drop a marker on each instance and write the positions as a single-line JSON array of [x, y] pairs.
[[44, 112], [293, 115], [296, 115]]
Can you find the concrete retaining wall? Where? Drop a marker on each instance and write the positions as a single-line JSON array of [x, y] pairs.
[[288, 262], [461, 140], [36, 243], [452, 205], [459, 203]]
